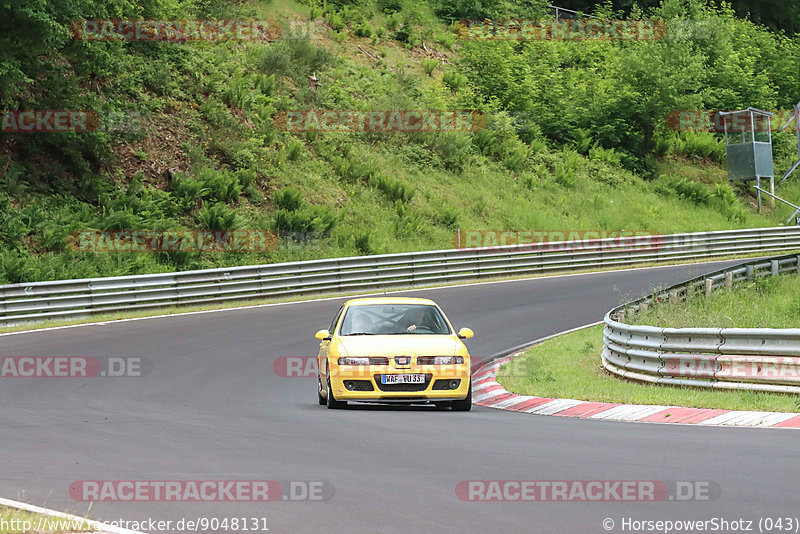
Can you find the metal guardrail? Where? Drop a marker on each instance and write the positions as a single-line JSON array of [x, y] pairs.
[[758, 359], [74, 299], [563, 13]]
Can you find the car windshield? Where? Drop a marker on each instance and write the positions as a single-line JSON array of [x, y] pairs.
[[388, 319]]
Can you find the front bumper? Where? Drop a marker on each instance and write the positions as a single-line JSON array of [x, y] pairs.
[[362, 383]]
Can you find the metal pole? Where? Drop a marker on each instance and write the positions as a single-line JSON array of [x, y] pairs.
[[797, 127], [796, 208], [797, 124], [771, 178], [725, 126], [753, 144], [758, 186]]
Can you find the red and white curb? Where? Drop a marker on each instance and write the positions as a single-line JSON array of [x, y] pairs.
[[487, 392]]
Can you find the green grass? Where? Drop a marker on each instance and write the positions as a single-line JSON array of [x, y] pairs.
[[15, 521], [769, 302], [211, 156], [569, 366]]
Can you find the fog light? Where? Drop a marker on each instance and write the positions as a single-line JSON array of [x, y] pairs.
[[454, 384], [349, 385]]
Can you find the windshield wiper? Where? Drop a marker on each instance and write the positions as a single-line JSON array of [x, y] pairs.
[[360, 334]]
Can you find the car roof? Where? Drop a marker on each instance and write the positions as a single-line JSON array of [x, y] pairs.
[[388, 300]]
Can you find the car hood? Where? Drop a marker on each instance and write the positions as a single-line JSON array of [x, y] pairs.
[[400, 345]]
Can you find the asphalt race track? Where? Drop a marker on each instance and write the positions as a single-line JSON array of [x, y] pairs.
[[211, 407]]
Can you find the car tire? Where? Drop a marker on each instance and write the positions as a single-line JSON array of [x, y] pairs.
[[466, 404], [320, 398], [332, 403]]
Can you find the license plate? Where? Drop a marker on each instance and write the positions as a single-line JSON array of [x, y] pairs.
[[402, 379]]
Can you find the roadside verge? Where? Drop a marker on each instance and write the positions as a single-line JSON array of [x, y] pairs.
[[489, 393]]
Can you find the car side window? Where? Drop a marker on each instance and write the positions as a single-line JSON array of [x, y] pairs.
[[335, 320]]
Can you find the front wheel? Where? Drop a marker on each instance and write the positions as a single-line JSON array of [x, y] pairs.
[[466, 404], [320, 398], [333, 404]]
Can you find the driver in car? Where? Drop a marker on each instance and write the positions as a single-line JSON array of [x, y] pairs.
[[415, 318]]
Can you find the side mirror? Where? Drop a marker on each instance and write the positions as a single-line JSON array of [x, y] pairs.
[[465, 333], [323, 335]]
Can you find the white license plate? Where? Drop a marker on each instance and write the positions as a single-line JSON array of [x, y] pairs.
[[402, 379]]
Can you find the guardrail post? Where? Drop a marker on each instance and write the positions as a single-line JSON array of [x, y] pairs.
[[751, 272], [709, 287], [643, 307], [729, 280], [774, 267]]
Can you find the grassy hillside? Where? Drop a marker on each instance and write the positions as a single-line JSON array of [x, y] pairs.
[[576, 135]]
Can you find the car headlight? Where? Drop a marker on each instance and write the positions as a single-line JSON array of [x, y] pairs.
[[353, 361], [440, 360]]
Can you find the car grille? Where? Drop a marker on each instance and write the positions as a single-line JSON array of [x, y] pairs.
[[403, 387]]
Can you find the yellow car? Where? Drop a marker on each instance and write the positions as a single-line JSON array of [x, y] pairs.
[[393, 350]]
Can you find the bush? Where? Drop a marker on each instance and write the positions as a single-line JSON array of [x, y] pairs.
[[217, 217], [15, 267], [335, 21], [662, 145], [188, 190], [452, 149], [700, 145], [409, 223], [390, 6], [355, 167], [289, 199], [11, 180], [222, 185], [429, 65], [446, 216], [396, 190], [564, 175], [515, 158], [406, 34], [294, 150], [362, 244], [605, 155], [12, 230], [306, 220], [725, 200], [454, 80], [119, 220], [294, 56], [582, 140], [363, 30], [692, 191]]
